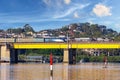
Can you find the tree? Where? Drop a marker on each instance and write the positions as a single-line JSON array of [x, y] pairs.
[[28, 28], [1, 30]]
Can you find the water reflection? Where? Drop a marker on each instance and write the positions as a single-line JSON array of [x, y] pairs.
[[4, 71], [65, 71], [33, 71]]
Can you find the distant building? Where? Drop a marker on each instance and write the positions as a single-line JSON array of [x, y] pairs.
[[62, 35], [45, 34], [103, 39], [34, 58], [83, 39], [2, 35], [30, 32], [94, 52]]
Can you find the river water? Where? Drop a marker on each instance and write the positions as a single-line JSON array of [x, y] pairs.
[[38, 71]]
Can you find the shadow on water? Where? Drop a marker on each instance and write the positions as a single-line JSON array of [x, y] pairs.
[[38, 71]]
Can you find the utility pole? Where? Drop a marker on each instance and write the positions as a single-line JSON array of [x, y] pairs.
[[68, 36], [5, 38]]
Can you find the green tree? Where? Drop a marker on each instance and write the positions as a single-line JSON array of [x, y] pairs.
[[28, 28]]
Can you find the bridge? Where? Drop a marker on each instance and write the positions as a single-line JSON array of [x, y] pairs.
[[9, 51], [65, 45]]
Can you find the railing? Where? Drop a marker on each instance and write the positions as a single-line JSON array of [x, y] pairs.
[[12, 40]]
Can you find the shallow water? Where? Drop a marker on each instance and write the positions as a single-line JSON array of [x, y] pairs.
[[38, 71]]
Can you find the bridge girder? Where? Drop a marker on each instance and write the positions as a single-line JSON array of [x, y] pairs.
[[65, 45]]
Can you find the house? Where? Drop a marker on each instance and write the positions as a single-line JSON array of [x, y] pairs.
[[45, 34], [62, 35]]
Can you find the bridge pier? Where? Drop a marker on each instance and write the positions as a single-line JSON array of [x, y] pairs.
[[66, 56], [4, 53], [13, 55], [69, 56], [8, 54], [72, 56]]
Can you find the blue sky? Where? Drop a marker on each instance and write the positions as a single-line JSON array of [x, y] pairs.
[[52, 14]]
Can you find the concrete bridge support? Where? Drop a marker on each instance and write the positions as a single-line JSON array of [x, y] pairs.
[[72, 56], [4, 53], [13, 55], [69, 56], [66, 56], [8, 54]]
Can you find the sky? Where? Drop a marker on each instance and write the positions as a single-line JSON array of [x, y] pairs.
[[53, 14]]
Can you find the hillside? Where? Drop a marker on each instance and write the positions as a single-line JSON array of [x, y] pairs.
[[75, 30]]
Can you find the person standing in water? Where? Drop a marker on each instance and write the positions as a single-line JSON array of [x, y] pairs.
[[105, 61]]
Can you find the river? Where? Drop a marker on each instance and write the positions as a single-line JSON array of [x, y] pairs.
[[38, 71]]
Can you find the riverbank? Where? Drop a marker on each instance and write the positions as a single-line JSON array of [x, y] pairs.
[[113, 59]]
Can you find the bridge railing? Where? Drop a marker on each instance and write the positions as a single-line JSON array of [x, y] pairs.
[[12, 40]]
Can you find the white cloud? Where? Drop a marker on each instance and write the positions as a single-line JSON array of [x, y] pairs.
[[76, 15], [65, 13], [70, 10], [47, 2], [20, 19], [67, 1], [54, 4], [102, 10]]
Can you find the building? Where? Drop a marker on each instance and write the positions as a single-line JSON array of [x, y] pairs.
[[83, 39], [94, 52], [45, 34]]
